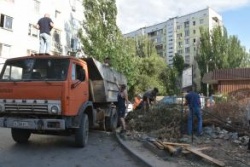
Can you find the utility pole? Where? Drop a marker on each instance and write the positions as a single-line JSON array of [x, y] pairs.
[[207, 70], [207, 83]]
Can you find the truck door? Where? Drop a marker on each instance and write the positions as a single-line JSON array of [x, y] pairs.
[[78, 93]]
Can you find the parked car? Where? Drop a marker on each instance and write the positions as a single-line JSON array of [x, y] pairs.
[[168, 100], [129, 109]]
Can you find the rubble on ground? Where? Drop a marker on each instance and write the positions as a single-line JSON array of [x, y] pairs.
[[225, 130]]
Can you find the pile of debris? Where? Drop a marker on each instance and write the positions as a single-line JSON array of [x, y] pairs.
[[225, 132], [161, 121], [169, 121]]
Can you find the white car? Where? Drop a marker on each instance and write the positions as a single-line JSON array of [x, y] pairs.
[[129, 109]]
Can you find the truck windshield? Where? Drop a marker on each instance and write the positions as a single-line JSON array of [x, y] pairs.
[[35, 69]]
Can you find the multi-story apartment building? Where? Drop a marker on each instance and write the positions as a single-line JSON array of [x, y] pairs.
[[19, 37], [179, 34]]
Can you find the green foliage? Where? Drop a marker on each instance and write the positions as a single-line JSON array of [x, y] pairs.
[[100, 30], [136, 59], [174, 82], [217, 50], [178, 63], [152, 73]]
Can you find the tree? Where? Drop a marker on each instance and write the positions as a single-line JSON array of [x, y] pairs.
[[100, 31], [152, 69], [136, 59], [217, 50], [178, 63], [102, 38]]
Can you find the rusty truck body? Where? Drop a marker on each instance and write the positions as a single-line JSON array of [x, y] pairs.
[[60, 95]]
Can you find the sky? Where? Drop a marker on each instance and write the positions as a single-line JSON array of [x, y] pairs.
[[135, 14]]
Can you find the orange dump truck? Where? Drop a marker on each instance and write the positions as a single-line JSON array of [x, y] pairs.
[[59, 95]]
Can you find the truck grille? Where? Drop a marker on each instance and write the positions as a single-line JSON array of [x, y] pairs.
[[26, 108]]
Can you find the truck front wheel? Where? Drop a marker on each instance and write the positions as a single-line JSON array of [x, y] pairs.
[[82, 133], [20, 135]]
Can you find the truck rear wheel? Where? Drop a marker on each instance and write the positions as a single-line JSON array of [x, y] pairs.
[[20, 135], [111, 122], [82, 133]]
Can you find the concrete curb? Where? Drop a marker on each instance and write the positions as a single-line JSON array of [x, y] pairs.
[[132, 152]]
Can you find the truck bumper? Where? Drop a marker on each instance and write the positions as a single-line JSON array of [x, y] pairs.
[[33, 124]]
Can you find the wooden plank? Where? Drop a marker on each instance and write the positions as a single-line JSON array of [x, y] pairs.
[[217, 162], [202, 148], [158, 145], [198, 149], [176, 144]]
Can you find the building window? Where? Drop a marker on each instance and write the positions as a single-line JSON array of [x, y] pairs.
[[186, 41], [4, 50], [215, 19], [57, 14], [194, 31], [194, 40], [56, 40], [32, 31], [187, 59], [193, 23], [6, 22], [159, 32], [179, 27], [56, 36], [37, 6], [154, 33], [180, 44], [187, 50], [186, 33], [201, 21], [159, 47], [180, 51], [179, 35], [186, 24]]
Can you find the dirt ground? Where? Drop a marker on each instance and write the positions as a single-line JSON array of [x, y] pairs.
[[225, 133]]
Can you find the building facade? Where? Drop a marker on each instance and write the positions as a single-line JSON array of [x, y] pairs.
[[180, 35], [18, 37]]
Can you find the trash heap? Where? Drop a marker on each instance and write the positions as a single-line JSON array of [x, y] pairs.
[[162, 121], [169, 121]]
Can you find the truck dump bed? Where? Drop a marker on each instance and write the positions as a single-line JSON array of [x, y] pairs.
[[103, 86]]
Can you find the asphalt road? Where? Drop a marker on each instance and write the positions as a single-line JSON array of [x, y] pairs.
[[56, 151]]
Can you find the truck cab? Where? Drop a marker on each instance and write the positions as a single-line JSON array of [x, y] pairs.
[[60, 95]]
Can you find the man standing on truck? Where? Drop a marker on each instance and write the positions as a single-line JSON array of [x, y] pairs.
[[45, 25]]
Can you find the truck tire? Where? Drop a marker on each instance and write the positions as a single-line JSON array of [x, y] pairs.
[[20, 135], [82, 133], [111, 121]]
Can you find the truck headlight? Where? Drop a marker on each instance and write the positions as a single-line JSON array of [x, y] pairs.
[[54, 110]]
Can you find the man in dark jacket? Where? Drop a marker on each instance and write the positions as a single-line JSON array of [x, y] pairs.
[[194, 104]]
